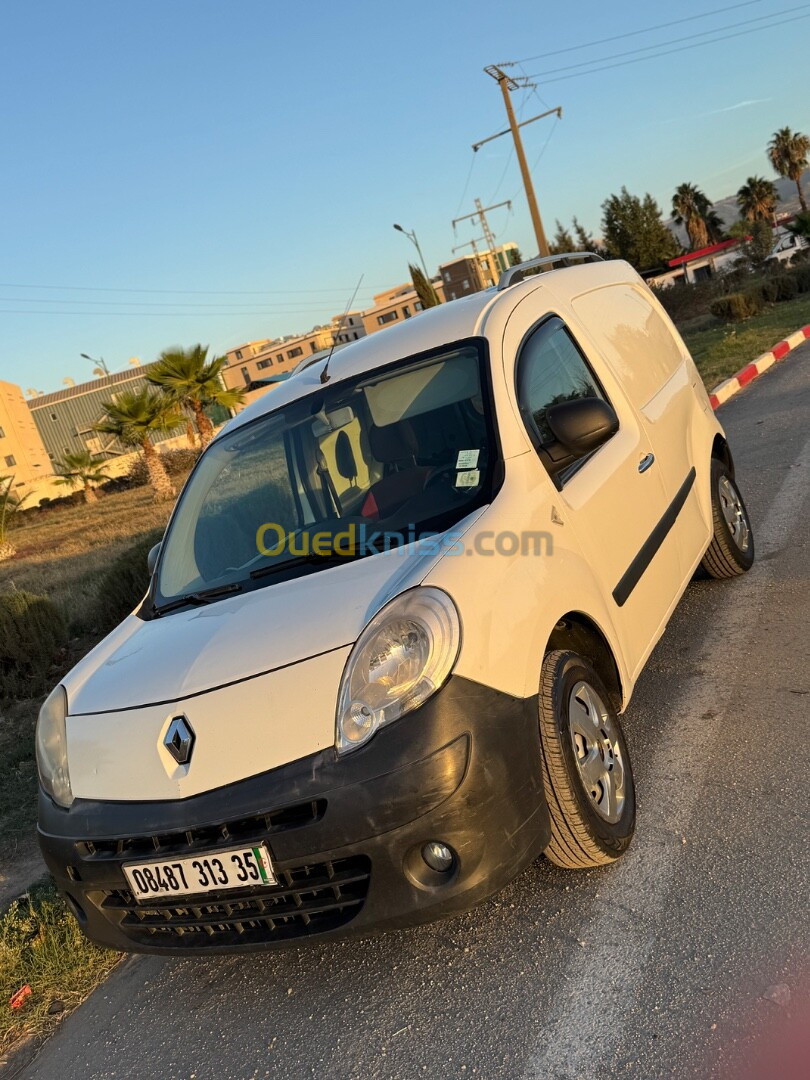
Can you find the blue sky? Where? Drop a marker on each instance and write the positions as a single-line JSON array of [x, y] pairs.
[[257, 154]]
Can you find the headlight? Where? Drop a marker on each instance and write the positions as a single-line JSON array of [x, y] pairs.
[[52, 748], [402, 657]]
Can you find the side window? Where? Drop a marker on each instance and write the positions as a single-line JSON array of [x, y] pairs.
[[551, 370]]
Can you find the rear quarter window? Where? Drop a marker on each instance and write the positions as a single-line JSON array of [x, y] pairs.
[[632, 337]]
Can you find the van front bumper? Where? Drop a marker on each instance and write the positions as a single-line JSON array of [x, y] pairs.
[[345, 835]]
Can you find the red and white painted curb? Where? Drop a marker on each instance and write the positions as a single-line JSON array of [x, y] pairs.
[[727, 389]]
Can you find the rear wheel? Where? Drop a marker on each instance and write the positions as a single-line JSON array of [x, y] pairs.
[[731, 551], [587, 775]]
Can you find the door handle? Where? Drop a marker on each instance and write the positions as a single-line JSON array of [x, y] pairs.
[[646, 462]]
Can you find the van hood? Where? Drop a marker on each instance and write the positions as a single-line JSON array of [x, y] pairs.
[[201, 648]]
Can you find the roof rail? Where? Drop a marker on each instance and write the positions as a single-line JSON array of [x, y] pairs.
[[517, 273]]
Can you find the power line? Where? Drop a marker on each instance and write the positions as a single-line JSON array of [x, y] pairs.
[[291, 307], [178, 292], [669, 52], [675, 41], [151, 314], [466, 183], [631, 33]]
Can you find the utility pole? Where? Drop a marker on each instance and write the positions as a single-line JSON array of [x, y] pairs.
[[507, 85], [480, 212]]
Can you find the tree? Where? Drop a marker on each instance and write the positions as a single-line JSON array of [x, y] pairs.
[[800, 226], [563, 241], [133, 418], [193, 382], [756, 240], [787, 152], [428, 296], [633, 230], [515, 258], [81, 469], [585, 240], [9, 505], [689, 208], [757, 199], [714, 226]]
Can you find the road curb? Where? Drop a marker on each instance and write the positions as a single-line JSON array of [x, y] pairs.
[[729, 387]]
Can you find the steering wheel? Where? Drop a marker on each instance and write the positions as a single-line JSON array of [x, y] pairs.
[[440, 472]]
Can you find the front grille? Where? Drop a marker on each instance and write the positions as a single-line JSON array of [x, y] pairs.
[[189, 841], [307, 900]]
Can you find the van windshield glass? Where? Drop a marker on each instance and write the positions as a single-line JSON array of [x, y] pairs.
[[392, 455]]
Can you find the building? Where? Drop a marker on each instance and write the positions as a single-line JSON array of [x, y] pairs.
[[395, 306], [22, 451], [276, 357], [246, 351], [348, 327], [65, 419], [257, 360], [472, 273]]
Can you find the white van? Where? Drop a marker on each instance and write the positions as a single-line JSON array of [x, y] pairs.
[[396, 614]]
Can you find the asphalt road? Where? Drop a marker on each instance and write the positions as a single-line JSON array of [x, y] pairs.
[[689, 958]]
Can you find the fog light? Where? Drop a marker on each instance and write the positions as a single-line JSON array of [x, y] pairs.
[[438, 856]]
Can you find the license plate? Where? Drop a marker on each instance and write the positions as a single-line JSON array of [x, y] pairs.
[[233, 868]]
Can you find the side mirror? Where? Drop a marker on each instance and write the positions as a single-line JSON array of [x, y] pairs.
[[152, 558], [582, 425]]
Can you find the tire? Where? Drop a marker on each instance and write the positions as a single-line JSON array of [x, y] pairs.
[[731, 551], [586, 830]]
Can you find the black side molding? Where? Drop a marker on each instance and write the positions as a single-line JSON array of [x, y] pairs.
[[632, 574]]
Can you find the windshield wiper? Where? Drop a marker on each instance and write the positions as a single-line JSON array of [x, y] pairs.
[[203, 596], [312, 558]]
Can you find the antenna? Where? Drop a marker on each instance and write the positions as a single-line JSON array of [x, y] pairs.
[[325, 372]]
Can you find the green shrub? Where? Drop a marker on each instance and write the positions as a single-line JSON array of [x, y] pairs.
[[787, 287], [770, 290], [739, 306], [123, 585], [801, 275], [32, 631]]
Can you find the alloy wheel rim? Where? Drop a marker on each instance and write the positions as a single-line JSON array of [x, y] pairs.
[[597, 752], [734, 513]]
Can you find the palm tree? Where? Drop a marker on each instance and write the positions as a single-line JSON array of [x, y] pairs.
[[81, 469], [193, 382], [133, 418], [757, 199], [787, 152], [689, 207], [9, 505], [714, 226]]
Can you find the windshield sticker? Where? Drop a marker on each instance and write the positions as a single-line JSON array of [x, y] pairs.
[[467, 459], [469, 478]]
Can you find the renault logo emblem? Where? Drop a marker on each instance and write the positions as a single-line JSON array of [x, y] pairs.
[[179, 740]]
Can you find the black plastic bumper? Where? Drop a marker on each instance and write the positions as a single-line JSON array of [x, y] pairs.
[[345, 834]]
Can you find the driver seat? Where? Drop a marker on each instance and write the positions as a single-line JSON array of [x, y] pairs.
[[395, 446]]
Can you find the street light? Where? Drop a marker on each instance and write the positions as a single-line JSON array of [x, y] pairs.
[[412, 237], [93, 360]]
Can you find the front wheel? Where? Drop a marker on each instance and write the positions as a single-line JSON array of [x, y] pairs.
[[587, 775], [731, 551]]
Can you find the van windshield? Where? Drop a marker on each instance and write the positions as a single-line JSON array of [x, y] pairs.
[[392, 455]]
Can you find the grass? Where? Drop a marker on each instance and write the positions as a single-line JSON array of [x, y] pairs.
[[41, 946], [720, 349], [62, 554]]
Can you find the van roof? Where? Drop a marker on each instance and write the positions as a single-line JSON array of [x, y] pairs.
[[438, 326]]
